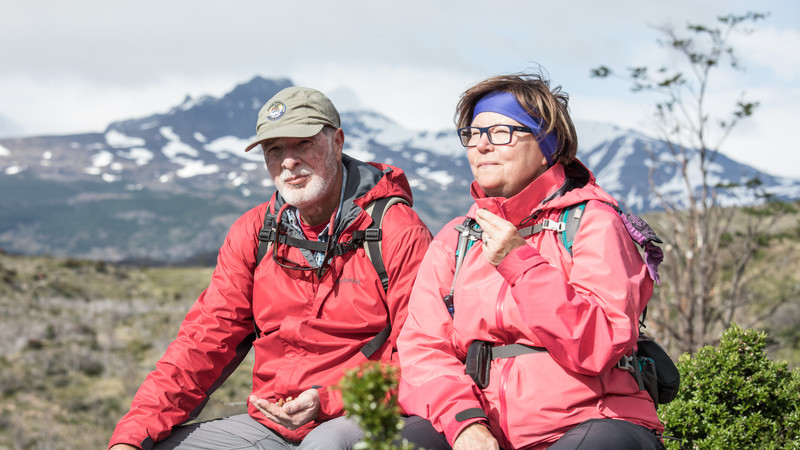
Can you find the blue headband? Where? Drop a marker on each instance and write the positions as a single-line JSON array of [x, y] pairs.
[[506, 104]]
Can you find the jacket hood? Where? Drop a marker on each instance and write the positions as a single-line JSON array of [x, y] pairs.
[[557, 188]]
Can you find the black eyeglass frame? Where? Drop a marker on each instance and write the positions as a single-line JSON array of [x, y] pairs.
[[485, 130], [294, 266]]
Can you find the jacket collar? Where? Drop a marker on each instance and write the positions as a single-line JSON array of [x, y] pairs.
[[556, 188]]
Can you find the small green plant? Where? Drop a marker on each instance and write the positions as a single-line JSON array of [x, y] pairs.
[[733, 396], [369, 393]]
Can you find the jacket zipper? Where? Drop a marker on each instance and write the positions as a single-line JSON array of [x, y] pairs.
[[503, 407], [501, 296]]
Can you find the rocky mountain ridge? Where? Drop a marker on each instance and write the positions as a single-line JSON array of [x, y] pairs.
[[165, 188]]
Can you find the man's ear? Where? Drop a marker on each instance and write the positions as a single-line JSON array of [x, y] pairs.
[[338, 142]]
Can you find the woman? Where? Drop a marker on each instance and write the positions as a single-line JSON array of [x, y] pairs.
[[571, 315]]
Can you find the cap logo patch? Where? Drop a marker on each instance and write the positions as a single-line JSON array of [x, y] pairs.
[[276, 111]]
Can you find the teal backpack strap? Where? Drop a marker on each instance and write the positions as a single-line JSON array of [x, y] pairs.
[[468, 233], [571, 217], [566, 227]]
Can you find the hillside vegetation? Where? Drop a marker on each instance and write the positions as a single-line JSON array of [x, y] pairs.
[[78, 337]]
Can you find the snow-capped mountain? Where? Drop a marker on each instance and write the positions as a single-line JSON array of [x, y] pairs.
[[167, 187]]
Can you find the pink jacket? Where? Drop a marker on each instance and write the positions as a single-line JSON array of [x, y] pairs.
[[583, 308], [312, 329]]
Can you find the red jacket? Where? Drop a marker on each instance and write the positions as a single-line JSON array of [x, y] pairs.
[[583, 308], [312, 329]]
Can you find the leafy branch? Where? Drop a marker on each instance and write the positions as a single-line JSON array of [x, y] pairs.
[[369, 393]]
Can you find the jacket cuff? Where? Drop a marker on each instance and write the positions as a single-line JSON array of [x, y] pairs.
[[466, 418], [144, 443], [513, 266], [463, 419], [330, 404]]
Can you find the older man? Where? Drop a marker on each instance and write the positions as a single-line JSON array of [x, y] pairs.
[[295, 270]]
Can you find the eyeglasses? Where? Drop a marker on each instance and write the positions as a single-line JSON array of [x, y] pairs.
[[498, 134], [284, 261]]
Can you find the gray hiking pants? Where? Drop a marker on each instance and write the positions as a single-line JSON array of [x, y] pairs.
[[243, 432]]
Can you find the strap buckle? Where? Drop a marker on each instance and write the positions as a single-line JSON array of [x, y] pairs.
[[373, 234], [548, 224], [266, 235], [626, 363]]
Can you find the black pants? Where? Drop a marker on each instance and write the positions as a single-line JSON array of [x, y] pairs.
[[594, 434], [601, 434], [421, 433]]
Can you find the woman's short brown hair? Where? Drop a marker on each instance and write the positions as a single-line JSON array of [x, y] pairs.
[[533, 92]]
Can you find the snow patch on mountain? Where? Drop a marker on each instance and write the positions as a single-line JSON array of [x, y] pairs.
[[443, 142], [611, 167], [238, 178], [190, 103], [110, 178], [192, 167], [381, 130], [358, 148], [593, 134], [360, 153], [235, 146], [15, 169], [102, 159], [119, 140], [139, 155], [175, 146], [47, 158], [443, 177]]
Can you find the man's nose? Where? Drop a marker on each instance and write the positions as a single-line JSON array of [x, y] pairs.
[[290, 157]]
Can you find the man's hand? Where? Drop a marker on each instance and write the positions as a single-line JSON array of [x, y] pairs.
[[500, 236], [292, 413], [123, 447], [476, 437]]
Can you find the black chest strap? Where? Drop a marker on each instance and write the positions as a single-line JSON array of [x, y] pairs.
[[369, 238]]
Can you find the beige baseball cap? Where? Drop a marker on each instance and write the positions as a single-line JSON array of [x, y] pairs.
[[294, 112]]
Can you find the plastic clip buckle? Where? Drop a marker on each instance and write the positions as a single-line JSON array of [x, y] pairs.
[[626, 363]]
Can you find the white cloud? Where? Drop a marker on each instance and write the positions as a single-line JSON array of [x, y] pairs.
[[76, 70], [773, 49]]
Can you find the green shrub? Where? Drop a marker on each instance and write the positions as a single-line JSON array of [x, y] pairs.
[[369, 394], [733, 396]]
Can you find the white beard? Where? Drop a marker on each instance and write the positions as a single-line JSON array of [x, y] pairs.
[[301, 196], [316, 187]]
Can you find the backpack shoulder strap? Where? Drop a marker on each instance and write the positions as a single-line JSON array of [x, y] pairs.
[[370, 238], [468, 234], [372, 247], [571, 217]]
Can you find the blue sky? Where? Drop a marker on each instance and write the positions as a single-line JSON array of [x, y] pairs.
[[71, 67]]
